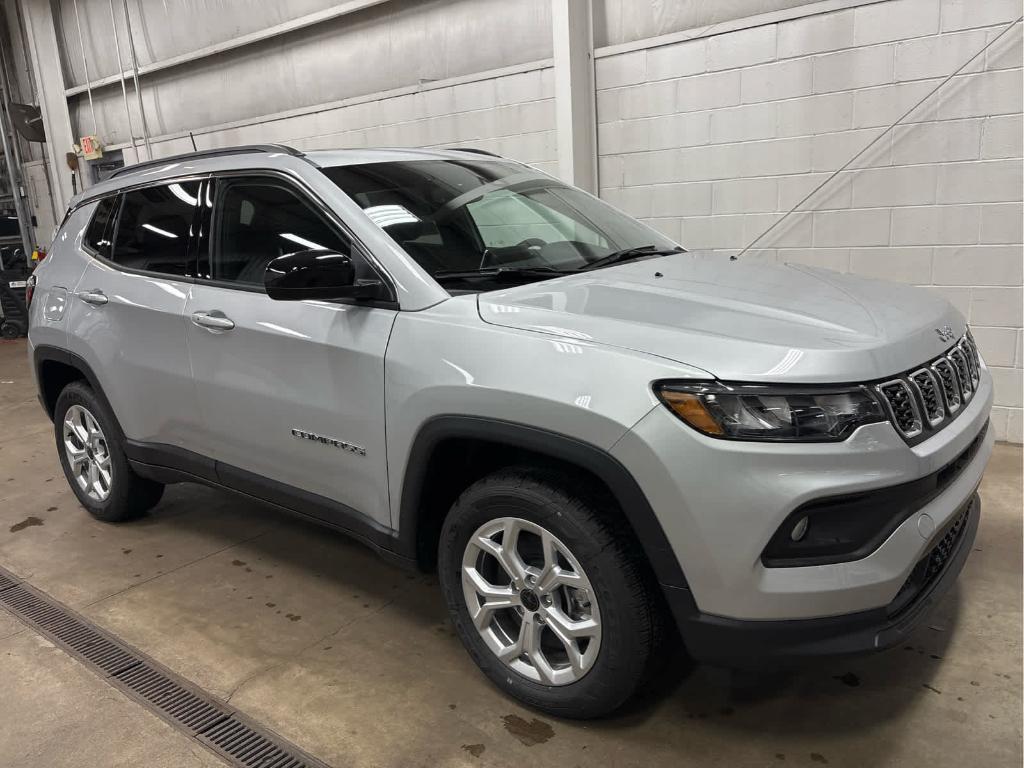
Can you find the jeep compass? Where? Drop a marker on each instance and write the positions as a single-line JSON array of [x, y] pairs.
[[608, 447]]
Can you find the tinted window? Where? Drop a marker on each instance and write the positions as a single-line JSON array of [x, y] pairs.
[[256, 221], [97, 236], [153, 228]]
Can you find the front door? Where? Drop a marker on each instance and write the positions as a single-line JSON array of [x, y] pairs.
[[291, 392]]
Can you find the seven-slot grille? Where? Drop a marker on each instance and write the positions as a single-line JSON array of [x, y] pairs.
[[929, 397]]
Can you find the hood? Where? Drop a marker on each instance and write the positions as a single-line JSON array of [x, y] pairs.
[[740, 321]]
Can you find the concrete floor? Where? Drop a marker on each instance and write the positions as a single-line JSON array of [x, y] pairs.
[[354, 660]]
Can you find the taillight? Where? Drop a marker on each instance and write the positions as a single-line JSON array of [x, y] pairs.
[[30, 288]]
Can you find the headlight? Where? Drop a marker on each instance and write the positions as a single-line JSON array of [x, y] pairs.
[[756, 412]]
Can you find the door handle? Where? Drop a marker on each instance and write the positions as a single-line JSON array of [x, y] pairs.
[[95, 297], [214, 320]]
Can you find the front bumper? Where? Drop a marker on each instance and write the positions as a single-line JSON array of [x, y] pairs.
[[737, 643], [719, 502]]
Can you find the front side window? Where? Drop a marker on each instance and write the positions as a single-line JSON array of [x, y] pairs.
[[463, 221], [255, 221], [97, 235], [153, 228]]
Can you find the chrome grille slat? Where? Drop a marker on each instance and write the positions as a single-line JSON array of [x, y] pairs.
[[956, 357], [928, 390], [929, 397], [950, 384], [902, 407], [970, 354]]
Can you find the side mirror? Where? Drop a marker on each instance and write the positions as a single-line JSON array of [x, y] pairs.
[[317, 274]]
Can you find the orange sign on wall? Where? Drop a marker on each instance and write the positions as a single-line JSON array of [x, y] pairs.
[[91, 148]]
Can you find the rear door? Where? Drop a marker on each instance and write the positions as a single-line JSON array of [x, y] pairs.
[[291, 392], [126, 313]]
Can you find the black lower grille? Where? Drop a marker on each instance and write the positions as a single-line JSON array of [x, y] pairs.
[[850, 526], [931, 566]]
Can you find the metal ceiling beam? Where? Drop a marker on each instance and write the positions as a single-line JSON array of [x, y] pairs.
[[309, 20]]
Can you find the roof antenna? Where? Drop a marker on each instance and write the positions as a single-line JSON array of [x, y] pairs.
[[193, 141]]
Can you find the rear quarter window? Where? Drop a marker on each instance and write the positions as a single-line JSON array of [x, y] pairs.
[[97, 236]]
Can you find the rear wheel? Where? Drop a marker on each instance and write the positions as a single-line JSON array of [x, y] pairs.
[[548, 592], [92, 455]]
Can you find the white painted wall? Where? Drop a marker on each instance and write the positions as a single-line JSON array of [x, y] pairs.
[[711, 139]]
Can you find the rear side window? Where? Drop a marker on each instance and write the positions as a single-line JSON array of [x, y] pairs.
[[153, 228], [97, 235]]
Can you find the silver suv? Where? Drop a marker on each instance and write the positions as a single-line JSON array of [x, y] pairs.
[[604, 444]]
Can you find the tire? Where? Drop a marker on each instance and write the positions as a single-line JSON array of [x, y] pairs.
[[124, 495], [12, 329], [619, 592]]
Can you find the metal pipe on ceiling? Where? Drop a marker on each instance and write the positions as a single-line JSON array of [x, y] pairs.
[[135, 77], [120, 72]]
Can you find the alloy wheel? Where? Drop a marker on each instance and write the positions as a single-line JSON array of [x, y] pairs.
[[88, 453], [531, 601]]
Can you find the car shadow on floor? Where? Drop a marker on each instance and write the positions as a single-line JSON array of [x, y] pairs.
[[879, 684], [867, 690]]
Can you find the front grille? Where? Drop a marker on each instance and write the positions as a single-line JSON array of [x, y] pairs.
[[931, 566], [928, 398]]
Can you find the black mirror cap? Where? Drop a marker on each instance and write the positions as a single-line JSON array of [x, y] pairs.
[[316, 274]]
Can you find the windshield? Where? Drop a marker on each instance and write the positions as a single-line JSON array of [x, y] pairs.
[[484, 217]]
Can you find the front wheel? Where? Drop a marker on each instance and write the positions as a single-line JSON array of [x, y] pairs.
[[548, 593]]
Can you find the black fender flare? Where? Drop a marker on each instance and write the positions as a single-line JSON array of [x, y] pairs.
[[624, 488], [45, 352]]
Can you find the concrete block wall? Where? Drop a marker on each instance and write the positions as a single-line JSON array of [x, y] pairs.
[[511, 113], [712, 139]]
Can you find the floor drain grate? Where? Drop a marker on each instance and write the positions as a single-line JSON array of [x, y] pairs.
[[249, 748], [214, 724]]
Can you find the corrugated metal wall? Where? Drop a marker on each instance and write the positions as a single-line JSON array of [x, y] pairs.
[[387, 46], [624, 21]]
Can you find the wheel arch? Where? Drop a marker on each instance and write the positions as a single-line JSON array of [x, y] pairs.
[[420, 517], [55, 369]]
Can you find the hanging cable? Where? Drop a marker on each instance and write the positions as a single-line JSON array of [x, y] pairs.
[[85, 65], [875, 140], [135, 77], [120, 73]]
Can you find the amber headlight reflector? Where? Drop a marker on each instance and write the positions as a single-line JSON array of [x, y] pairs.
[[775, 413]]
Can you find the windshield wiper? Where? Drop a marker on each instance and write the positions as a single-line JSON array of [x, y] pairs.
[[628, 254], [500, 273]]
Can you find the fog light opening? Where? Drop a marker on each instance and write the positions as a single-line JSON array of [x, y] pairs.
[[799, 530]]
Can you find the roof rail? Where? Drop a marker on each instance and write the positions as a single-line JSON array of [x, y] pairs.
[[244, 149], [474, 150]]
